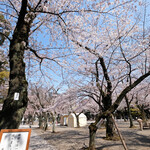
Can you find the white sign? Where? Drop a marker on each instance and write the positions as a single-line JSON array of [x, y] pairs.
[[16, 96], [14, 139]]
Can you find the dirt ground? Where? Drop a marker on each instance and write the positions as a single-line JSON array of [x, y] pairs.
[[67, 138]]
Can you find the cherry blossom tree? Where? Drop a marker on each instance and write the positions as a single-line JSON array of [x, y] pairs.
[[110, 49], [142, 100], [31, 21], [42, 103], [106, 37]]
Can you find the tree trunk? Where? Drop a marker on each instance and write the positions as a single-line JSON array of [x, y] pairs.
[[110, 130], [45, 124], [40, 118], [131, 119], [130, 116], [53, 122], [143, 114], [13, 110], [129, 112], [77, 118], [92, 133], [53, 127], [78, 123]]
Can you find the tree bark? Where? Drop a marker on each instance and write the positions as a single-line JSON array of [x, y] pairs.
[[92, 133], [110, 130], [45, 123], [40, 118], [13, 110], [143, 114], [53, 122], [53, 127], [77, 118], [78, 123], [129, 112]]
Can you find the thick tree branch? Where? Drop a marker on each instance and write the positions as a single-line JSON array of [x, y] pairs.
[[38, 4], [97, 80], [120, 97], [109, 85], [22, 14]]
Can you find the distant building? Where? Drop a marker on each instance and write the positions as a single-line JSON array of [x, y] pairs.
[[64, 120], [72, 121]]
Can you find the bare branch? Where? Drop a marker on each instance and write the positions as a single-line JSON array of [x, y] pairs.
[[13, 7], [42, 58], [3, 34], [120, 45], [38, 4]]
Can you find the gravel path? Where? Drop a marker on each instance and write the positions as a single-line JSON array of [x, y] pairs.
[[75, 138], [38, 143]]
